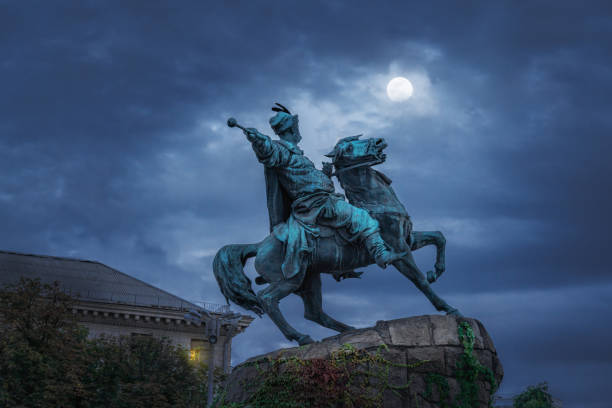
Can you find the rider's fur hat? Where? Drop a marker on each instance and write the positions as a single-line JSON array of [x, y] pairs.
[[283, 120]]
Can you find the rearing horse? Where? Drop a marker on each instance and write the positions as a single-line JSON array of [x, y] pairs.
[[365, 188]]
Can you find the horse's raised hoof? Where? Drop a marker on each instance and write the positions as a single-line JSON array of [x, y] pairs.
[[431, 276], [454, 312], [305, 339]]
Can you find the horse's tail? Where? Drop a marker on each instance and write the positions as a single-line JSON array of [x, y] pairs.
[[228, 267]]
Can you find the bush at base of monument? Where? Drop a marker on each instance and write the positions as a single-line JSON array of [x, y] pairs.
[[534, 397], [47, 361]]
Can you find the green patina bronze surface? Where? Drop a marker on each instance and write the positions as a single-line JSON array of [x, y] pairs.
[[315, 230]]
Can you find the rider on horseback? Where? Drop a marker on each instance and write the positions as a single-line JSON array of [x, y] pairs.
[[301, 198]]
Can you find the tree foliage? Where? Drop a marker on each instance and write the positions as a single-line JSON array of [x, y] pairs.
[[534, 397], [46, 359], [141, 372], [41, 347]]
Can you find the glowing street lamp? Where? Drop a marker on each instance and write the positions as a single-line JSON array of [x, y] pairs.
[[212, 332]]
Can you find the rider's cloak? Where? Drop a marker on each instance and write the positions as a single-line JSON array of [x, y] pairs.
[[279, 203], [296, 236]]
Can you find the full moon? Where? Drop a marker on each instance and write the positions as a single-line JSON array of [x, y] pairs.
[[399, 89]]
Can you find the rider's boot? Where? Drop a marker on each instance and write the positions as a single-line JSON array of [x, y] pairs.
[[378, 250]]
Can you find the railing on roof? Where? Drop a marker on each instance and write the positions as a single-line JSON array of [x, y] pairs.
[[213, 307], [146, 300]]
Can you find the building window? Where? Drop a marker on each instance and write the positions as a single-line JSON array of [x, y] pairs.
[[142, 334]]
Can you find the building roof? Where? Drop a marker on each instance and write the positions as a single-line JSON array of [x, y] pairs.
[[91, 281]]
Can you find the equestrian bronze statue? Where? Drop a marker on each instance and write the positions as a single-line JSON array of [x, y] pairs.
[[314, 230]]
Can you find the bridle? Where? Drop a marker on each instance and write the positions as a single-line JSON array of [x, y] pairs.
[[354, 166]]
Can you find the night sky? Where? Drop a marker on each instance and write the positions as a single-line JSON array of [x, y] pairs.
[[113, 147]]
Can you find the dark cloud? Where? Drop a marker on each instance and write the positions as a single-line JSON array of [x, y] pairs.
[[113, 147]]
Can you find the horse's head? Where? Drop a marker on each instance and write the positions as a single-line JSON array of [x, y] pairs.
[[352, 152]]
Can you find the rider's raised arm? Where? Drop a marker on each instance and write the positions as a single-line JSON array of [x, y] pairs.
[[268, 153]]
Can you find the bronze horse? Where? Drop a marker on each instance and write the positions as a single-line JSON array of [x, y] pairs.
[[364, 187]]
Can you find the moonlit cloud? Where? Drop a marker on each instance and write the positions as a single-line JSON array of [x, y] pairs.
[[360, 105]]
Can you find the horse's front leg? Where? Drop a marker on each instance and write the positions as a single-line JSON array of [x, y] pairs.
[[409, 269], [310, 292], [419, 239]]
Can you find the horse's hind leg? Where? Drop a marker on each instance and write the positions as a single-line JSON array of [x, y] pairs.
[[409, 269], [419, 239], [268, 264], [310, 292], [269, 298]]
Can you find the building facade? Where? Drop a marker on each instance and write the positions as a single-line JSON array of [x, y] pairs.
[[112, 303]]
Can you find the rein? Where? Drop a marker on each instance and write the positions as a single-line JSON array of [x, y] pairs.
[[354, 166]]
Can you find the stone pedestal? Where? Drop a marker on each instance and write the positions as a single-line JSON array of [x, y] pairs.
[[423, 361]]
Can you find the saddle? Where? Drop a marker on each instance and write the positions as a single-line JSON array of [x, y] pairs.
[[333, 234], [328, 237]]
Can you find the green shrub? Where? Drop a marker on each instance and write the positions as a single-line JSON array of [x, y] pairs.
[[534, 397], [42, 359], [46, 359]]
